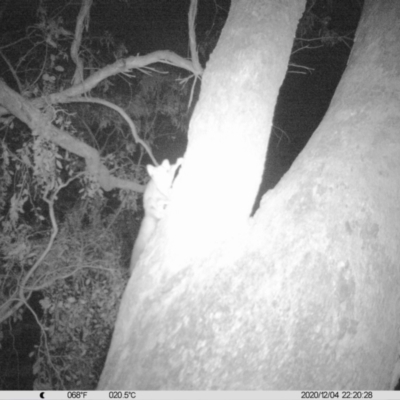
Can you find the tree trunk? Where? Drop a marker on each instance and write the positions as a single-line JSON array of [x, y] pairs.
[[306, 296]]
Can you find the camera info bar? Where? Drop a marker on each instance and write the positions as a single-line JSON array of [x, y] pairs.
[[198, 395]]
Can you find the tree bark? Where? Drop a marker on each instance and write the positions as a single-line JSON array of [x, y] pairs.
[[306, 297], [215, 190]]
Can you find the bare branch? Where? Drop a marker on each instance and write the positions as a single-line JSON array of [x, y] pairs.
[[82, 22], [12, 70], [124, 66], [30, 115], [192, 34], [123, 114], [50, 202], [192, 43], [19, 298]]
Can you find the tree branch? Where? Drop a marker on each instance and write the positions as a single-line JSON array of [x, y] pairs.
[[192, 35], [123, 114], [12, 70], [30, 115], [123, 66], [83, 17]]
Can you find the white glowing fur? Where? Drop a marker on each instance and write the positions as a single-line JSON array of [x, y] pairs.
[[155, 200]]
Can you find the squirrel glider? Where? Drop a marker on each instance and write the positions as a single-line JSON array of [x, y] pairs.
[[155, 201]]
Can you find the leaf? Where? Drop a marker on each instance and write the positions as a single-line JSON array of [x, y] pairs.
[[45, 303], [36, 367]]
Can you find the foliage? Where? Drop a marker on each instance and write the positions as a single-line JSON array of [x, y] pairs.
[[79, 312], [80, 278], [43, 186]]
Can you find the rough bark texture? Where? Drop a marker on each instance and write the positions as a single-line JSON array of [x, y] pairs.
[[158, 341], [314, 302], [326, 241]]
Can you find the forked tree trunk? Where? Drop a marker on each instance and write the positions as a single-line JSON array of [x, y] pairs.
[[307, 296]]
